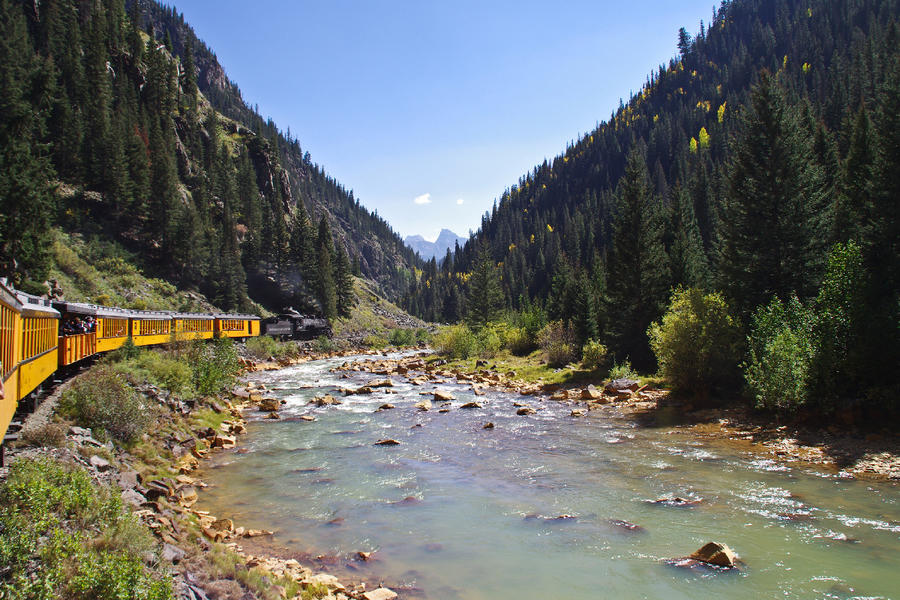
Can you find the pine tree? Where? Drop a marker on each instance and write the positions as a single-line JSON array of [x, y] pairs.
[[770, 243], [638, 266], [485, 295], [853, 199], [326, 289], [343, 281], [584, 320], [26, 201], [189, 79]]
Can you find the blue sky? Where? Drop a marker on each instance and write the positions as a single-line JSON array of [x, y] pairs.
[[429, 110]]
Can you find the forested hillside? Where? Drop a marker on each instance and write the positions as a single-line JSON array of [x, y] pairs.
[[763, 162], [122, 125]]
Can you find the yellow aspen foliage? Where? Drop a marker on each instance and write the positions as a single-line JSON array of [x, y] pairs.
[[512, 247], [428, 283], [784, 62], [719, 89], [532, 238], [655, 118], [809, 12], [704, 138], [721, 112], [806, 67], [549, 228], [693, 145]]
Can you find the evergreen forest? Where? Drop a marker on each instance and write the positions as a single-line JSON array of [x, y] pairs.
[[117, 123], [740, 209]]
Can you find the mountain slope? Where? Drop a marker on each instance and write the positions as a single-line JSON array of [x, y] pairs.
[[830, 57], [136, 114]]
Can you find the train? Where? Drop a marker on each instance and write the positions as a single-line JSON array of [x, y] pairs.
[[40, 336]]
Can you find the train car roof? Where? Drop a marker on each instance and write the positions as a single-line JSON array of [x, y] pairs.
[[151, 315], [194, 316], [84, 308], [237, 317], [8, 295], [36, 306]]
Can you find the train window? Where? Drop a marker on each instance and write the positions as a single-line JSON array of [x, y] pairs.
[[39, 336], [113, 328], [155, 327], [7, 332]]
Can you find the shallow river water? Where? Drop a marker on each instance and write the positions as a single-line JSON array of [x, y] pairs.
[[458, 511]]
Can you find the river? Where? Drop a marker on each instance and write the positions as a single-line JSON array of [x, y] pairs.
[[459, 511]]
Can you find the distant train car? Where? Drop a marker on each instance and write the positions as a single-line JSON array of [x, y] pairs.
[[194, 326], [236, 326], [150, 327]]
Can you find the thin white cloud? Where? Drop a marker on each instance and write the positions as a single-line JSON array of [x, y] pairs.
[[459, 201], [423, 199]]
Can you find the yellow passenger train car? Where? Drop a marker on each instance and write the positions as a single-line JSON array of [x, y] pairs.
[[237, 326], [28, 347], [151, 327], [88, 329], [194, 326]]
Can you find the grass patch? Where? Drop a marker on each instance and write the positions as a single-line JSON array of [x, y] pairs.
[[65, 537]]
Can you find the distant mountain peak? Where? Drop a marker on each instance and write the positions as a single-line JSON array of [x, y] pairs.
[[446, 240]]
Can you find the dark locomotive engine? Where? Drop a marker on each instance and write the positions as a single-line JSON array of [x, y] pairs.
[[292, 325]]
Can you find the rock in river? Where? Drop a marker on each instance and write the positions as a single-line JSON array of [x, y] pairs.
[[525, 410], [387, 442], [717, 554], [471, 405], [442, 396]]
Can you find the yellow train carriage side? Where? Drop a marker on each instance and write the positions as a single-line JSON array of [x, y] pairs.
[[10, 354], [40, 328], [194, 326], [112, 328], [237, 326], [151, 327]]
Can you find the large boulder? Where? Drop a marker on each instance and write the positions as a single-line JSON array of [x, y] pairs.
[[591, 393], [381, 593], [269, 404], [380, 383], [424, 405], [442, 396], [619, 385], [326, 400], [718, 554]]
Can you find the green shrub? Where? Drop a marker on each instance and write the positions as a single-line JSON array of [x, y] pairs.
[[126, 351], [622, 371], [65, 537], [403, 337], [102, 400], [519, 342], [48, 435], [490, 339], [423, 336], [558, 343], [697, 343], [265, 347], [593, 355], [456, 341], [168, 372], [374, 341], [215, 364], [324, 344], [781, 350]]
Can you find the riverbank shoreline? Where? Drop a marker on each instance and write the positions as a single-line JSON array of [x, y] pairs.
[[204, 554]]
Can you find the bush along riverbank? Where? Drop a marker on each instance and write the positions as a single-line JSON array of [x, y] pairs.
[[98, 500]]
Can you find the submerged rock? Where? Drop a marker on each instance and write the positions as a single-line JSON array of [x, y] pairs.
[[488, 426], [384, 407], [676, 501], [471, 405], [525, 410], [626, 526], [387, 442]]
